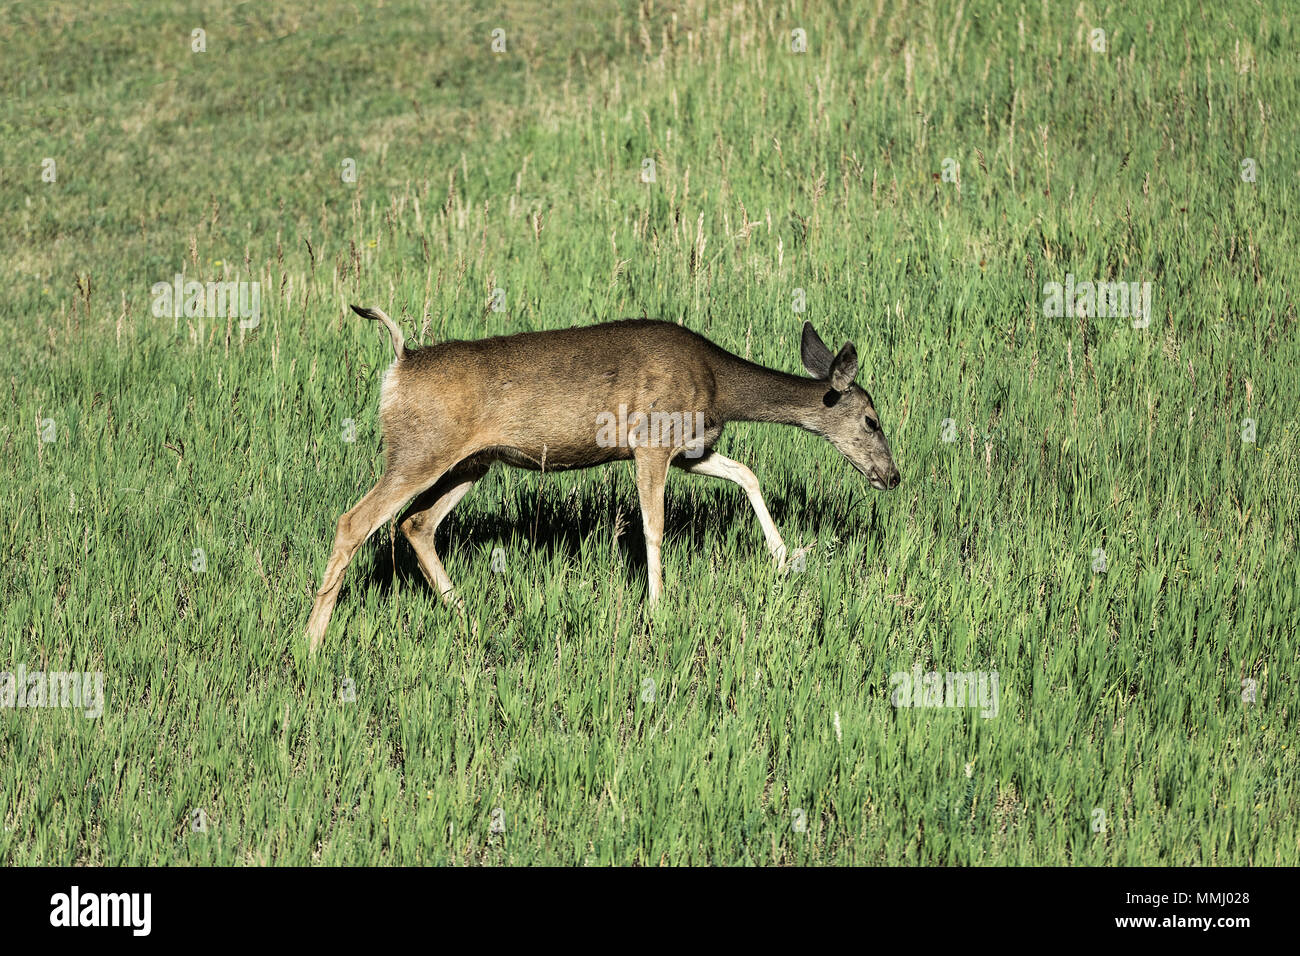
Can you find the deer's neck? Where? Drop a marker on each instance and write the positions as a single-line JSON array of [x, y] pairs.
[[753, 393]]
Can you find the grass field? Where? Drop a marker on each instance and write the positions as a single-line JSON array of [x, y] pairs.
[[1103, 515]]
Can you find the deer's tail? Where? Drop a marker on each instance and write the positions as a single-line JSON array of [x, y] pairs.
[[377, 315]]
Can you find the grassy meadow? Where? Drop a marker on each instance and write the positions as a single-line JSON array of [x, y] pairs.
[[1104, 515]]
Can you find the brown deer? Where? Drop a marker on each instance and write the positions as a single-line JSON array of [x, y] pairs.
[[651, 391]]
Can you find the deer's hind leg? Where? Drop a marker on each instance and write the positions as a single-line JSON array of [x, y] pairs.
[[381, 503], [421, 520]]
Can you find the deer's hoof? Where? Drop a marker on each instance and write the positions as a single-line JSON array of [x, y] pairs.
[[779, 556]]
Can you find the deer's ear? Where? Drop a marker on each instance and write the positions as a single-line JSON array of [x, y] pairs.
[[816, 356], [844, 368]]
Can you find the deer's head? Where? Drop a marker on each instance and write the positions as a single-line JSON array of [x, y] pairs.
[[849, 419]]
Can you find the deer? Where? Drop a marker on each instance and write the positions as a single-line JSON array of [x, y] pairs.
[[580, 397]]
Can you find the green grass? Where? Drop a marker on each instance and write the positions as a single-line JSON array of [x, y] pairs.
[[1121, 691]]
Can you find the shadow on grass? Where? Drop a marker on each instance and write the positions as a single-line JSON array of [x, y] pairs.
[[696, 517]]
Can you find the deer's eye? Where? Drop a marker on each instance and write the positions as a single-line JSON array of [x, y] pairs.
[[872, 424]]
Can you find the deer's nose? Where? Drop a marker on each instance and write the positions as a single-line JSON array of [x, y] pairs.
[[893, 480]]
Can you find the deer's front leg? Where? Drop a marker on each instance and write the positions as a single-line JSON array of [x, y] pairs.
[[651, 475], [719, 466]]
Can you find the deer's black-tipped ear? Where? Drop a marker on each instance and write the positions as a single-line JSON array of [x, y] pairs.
[[814, 353], [844, 368]]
